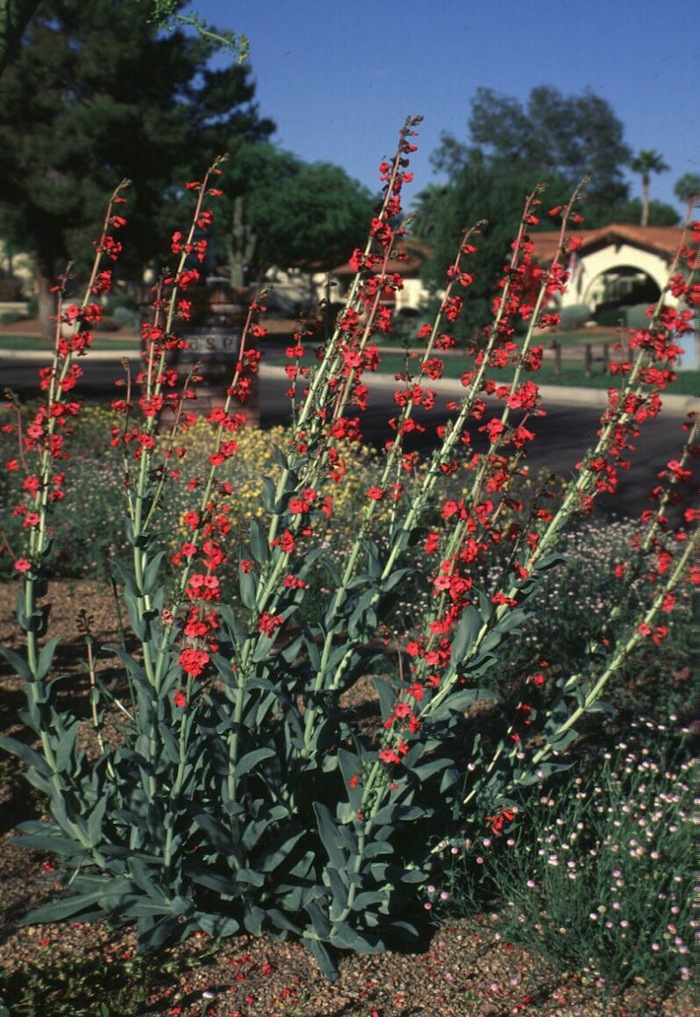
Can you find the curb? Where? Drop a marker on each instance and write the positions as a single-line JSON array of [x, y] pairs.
[[46, 355], [556, 395]]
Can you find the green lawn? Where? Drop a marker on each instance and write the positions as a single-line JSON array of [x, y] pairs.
[[578, 338], [27, 341], [572, 373]]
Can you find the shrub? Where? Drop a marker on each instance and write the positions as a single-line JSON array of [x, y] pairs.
[[10, 317], [10, 289], [243, 794], [573, 316], [598, 876], [93, 492], [637, 315], [611, 317], [571, 612]]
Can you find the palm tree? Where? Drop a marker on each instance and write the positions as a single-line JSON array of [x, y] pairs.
[[647, 162], [688, 187]]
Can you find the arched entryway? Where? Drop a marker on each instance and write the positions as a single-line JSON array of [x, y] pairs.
[[620, 286]]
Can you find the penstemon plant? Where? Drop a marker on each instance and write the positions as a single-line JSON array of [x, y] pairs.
[[242, 794]]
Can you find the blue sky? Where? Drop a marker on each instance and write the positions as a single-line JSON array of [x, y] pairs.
[[339, 78]]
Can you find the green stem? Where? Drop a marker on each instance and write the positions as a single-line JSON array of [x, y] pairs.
[[623, 653]]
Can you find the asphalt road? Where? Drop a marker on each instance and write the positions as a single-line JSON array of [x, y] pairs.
[[563, 435]]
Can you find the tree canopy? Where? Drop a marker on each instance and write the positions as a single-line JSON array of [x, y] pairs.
[[658, 213], [646, 162], [552, 134], [286, 212], [494, 192], [94, 94], [687, 187], [553, 140], [15, 15]]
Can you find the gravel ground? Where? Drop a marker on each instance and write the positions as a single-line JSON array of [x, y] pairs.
[[462, 971]]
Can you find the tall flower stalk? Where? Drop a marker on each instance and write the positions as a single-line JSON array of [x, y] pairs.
[[243, 795]]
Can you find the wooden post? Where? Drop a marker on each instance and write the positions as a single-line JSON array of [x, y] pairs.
[[588, 360], [606, 358]]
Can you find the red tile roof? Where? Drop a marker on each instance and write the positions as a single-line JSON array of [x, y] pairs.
[[661, 240], [412, 255]]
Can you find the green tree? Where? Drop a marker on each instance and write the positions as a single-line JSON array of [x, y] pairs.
[[648, 161], [286, 212], [569, 136], [94, 94], [168, 14], [659, 213], [687, 188], [481, 189], [552, 139], [15, 15]]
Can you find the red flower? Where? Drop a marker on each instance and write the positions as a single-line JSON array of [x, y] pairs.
[[286, 542], [431, 543], [193, 662], [452, 308], [195, 628], [498, 821], [294, 583], [389, 756], [180, 699], [269, 623]]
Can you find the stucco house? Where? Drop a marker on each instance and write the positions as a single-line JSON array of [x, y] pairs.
[[413, 293], [617, 264], [621, 269]]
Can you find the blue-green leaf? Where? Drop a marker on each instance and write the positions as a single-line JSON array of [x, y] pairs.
[[258, 542], [218, 926], [387, 697], [350, 767], [319, 921], [18, 664], [339, 891], [250, 760], [28, 756], [78, 905], [467, 631], [322, 958], [219, 837], [343, 935], [330, 836], [281, 921], [248, 586], [365, 900], [268, 494], [46, 657]]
